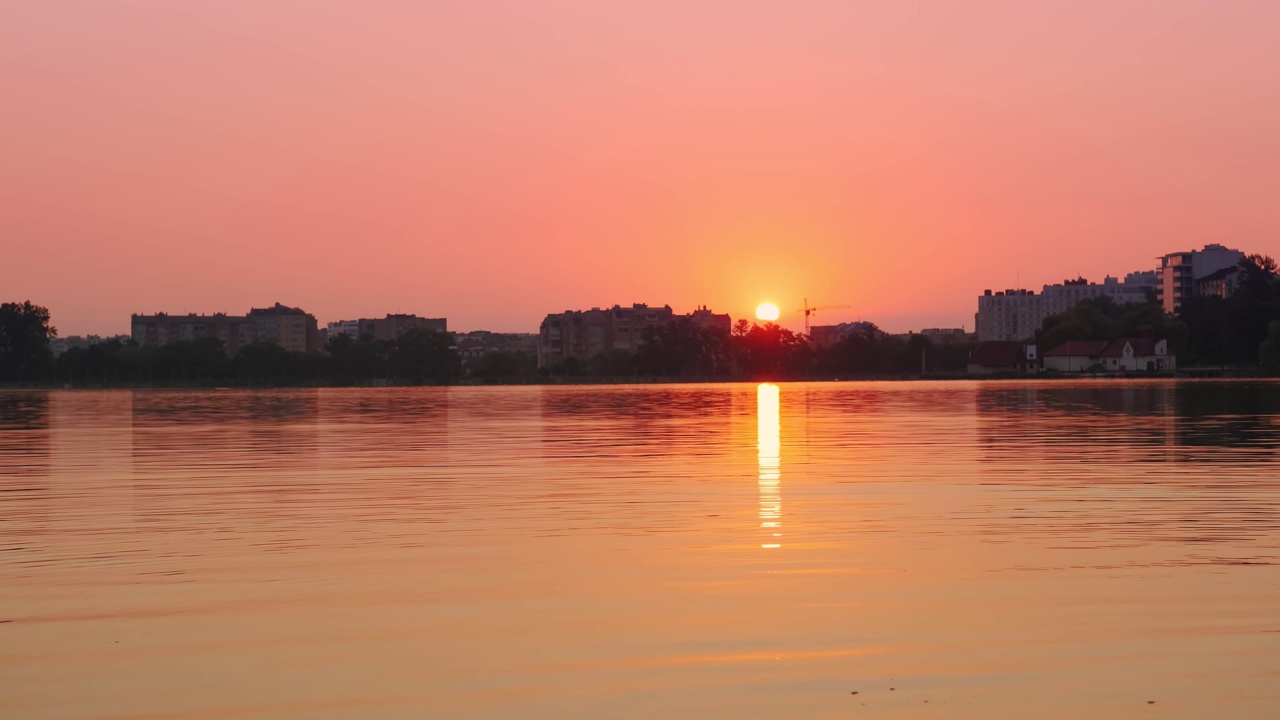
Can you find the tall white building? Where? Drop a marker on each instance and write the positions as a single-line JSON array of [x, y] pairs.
[[1018, 314], [1179, 272]]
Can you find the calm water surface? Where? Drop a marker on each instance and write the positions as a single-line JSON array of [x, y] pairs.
[[944, 550]]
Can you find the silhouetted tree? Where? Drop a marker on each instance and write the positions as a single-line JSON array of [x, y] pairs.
[[863, 353], [264, 361], [612, 363], [426, 354], [503, 365], [1258, 279], [24, 341], [1269, 351], [685, 348], [771, 351], [1231, 330]]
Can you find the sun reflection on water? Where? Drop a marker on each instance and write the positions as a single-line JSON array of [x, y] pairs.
[[769, 455]]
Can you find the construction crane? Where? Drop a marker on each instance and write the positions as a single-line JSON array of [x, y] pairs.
[[811, 310]]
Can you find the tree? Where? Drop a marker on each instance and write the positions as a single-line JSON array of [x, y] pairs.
[[261, 360], [426, 354], [1258, 280], [503, 364], [24, 341], [1091, 319], [1269, 351], [771, 351], [872, 352], [1231, 330], [683, 347]]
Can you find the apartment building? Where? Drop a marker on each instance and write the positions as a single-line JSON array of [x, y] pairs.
[[1017, 314], [291, 328], [584, 334], [1180, 271], [391, 327]]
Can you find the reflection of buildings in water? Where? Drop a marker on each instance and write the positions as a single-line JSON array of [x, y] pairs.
[[1161, 421], [769, 456]]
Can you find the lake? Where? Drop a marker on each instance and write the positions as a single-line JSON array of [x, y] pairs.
[[1105, 549]]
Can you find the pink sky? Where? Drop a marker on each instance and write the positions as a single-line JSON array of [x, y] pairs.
[[491, 162]]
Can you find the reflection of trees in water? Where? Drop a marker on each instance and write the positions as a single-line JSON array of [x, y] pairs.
[[1154, 422], [278, 464], [224, 431], [869, 398], [635, 459], [426, 405], [636, 401], [24, 439], [1229, 415], [151, 407], [1083, 455], [583, 421], [23, 410]]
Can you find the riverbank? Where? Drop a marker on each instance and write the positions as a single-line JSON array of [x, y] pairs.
[[210, 384]]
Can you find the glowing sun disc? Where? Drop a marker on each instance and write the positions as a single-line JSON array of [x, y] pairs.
[[767, 312]]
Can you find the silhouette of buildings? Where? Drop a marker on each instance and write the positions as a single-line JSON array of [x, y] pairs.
[[291, 328], [824, 336], [948, 336], [476, 344], [391, 327], [61, 345], [584, 334], [1018, 314], [1180, 271]]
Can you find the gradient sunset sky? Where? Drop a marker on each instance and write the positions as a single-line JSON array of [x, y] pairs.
[[495, 161]]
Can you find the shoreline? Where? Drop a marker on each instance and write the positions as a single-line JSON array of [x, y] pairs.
[[1188, 374]]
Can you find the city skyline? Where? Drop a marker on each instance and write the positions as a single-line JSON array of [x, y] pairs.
[[493, 164], [1001, 321]]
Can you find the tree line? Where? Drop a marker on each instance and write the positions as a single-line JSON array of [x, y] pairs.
[[754, 351], [418, 356]]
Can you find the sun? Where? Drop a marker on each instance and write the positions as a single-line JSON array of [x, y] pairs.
[[767, 312]]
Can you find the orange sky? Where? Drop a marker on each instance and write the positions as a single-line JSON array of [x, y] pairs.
[[494, 161]]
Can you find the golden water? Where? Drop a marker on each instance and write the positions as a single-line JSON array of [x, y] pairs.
[[944, 550]]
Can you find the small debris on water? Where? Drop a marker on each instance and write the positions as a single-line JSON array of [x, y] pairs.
[[855, 692], [892, 689], [1151, 702]]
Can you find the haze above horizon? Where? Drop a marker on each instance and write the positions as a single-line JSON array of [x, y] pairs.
[[493, 162]]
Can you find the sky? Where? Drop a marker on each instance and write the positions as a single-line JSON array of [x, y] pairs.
[[492, 162]]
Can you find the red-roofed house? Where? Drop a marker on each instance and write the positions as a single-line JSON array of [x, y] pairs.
[[1003, 356], [1138, 354], [1121, 355], [1075, 356]]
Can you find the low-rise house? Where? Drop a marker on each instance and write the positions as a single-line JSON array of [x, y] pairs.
[[1134, 354], [1003, 356], [1119, 355], [1076, 356]]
